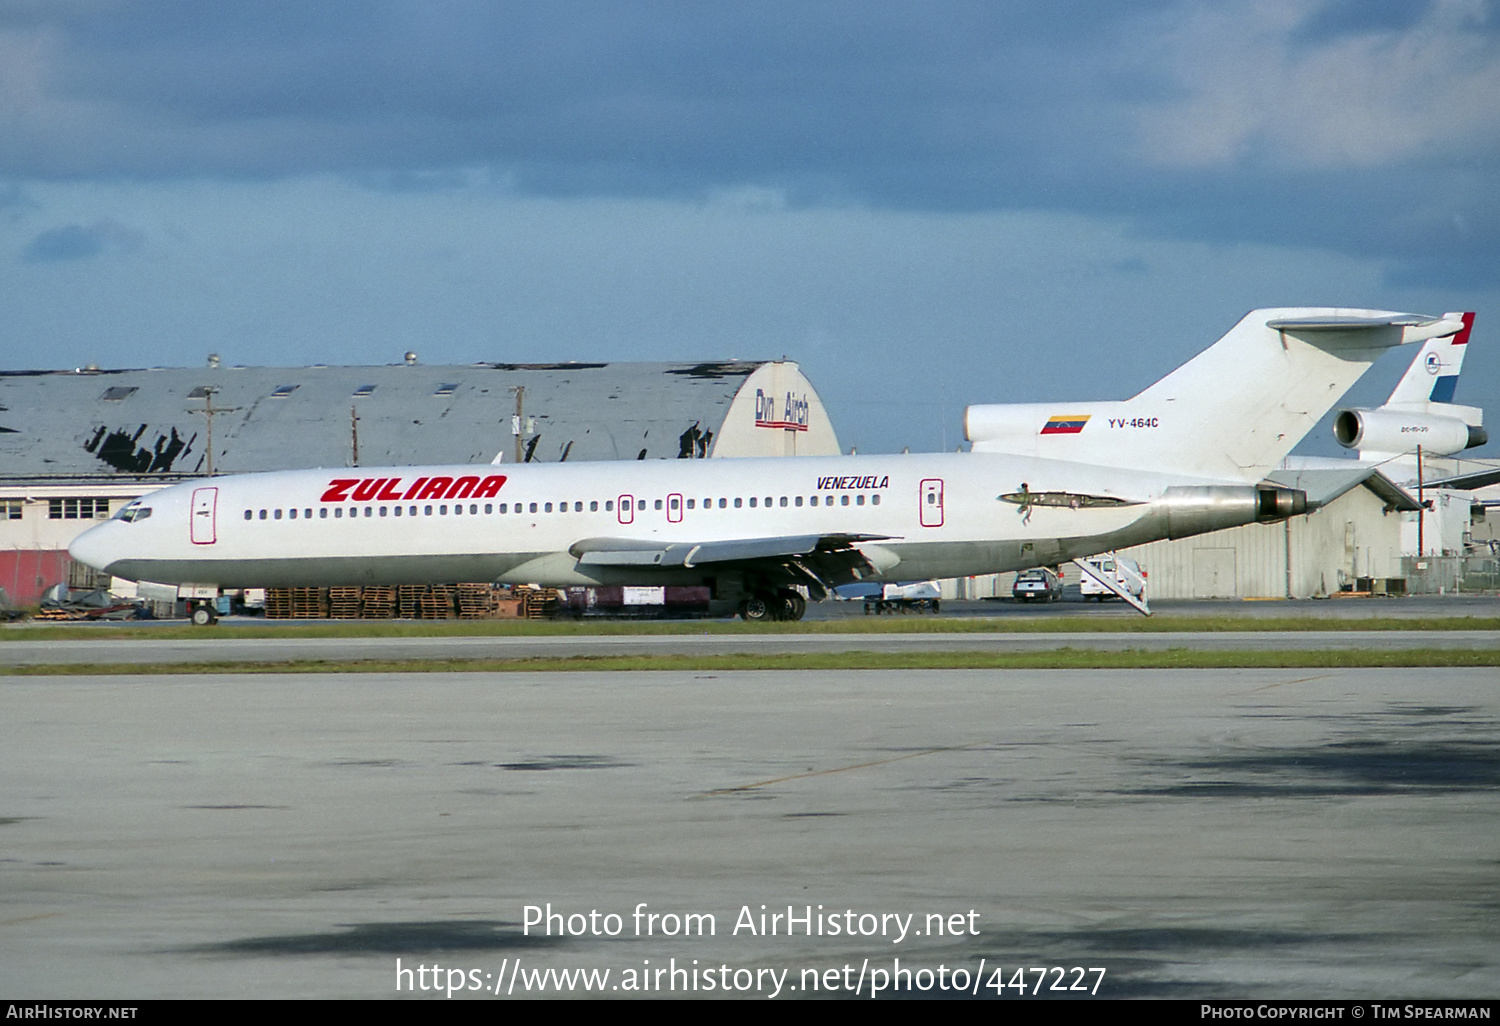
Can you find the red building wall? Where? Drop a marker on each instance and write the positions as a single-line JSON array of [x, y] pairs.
[[26, 573]]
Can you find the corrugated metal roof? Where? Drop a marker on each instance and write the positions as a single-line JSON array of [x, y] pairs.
[[150, 423]]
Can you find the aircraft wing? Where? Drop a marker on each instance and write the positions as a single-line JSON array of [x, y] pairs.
[[1468, 482], [818, 561]]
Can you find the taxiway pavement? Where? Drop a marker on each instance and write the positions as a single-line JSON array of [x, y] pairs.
[[1195, 833], [224, 646]]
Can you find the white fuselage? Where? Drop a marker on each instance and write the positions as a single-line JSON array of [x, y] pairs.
[[924, 515]]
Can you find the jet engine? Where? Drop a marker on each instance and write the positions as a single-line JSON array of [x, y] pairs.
[[1199, 509], [1396, 431]]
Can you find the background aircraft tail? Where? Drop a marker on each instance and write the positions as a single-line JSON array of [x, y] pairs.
[[1432, 376], [1421, 411], [1230, 413]]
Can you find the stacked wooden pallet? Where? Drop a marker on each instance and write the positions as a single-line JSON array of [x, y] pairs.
[[278, 603], [411, 602], [539, 603], [343, 603], [379, 603], [310, 603], [408, 596], [437, 603], [475, 601]]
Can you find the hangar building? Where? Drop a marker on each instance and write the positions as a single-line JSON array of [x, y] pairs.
[[77, 445]]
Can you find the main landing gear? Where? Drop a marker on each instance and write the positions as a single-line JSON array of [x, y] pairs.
[[764, 606]]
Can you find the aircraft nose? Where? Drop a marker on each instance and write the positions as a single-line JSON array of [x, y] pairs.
[[93, 548]]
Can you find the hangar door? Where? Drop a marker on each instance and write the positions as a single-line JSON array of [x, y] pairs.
[[1213, 573]]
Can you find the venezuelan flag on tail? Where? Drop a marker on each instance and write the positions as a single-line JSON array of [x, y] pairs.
[[1065, 425]]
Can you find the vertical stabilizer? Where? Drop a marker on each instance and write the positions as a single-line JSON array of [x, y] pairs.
[[1232, 412]]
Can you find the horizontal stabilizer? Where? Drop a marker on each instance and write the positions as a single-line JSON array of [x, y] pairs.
[[1353, 323]]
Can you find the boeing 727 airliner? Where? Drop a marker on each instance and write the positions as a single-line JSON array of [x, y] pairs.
[[1044, 484]]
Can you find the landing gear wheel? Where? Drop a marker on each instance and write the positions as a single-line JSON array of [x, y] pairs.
[[791, 604], [755, 609], [203, 616]]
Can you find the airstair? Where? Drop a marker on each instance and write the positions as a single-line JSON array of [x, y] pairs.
[[1124, 582]]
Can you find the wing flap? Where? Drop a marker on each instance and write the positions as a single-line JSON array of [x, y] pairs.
[[816, 561]]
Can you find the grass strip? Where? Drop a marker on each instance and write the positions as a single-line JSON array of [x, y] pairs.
[[1058, 659], [1003, 623]]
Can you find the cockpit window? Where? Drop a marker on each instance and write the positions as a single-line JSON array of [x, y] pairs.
[[133, 512]]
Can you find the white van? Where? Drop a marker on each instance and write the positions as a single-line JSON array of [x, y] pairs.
[[1126, 571]]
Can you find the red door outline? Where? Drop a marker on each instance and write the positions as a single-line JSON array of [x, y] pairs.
[[674, 508], [625, 509], [930, 502], [205, 505]]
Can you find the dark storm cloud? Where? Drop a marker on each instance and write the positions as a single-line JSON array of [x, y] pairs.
[[687, 94], [70, 242], [77, 242], [948, 106]]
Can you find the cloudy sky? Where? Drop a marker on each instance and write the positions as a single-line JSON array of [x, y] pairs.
[[926, 204]]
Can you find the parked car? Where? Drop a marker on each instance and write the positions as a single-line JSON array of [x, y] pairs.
[[1040, 584]]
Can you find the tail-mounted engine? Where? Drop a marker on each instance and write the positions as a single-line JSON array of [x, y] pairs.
[[1197, 510], [1396, 431]]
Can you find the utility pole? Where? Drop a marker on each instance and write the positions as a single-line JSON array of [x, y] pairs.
[[208, 411], [516, 421], [1421, 507]]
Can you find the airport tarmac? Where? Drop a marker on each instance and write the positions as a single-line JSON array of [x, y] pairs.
[[1192, 833]]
